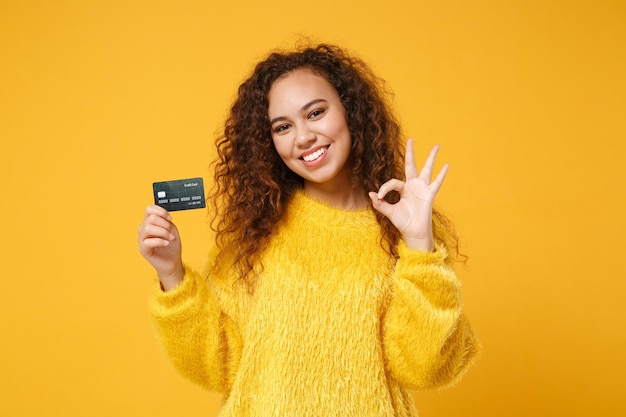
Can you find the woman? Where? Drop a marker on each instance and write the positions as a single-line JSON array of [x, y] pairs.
[[330, 290]]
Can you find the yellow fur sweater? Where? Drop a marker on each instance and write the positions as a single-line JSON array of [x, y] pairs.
[[334, 327]]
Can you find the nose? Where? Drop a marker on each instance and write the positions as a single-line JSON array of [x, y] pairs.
[[304, 136]]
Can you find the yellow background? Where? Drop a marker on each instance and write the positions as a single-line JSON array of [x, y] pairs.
[[100, 98]]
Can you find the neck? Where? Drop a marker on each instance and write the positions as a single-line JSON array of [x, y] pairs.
[[340, 194]]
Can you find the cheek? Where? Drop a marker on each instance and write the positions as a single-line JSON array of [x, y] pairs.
[[337, 127], [281, 148]]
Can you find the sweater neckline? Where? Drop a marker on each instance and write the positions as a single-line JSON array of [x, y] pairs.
[[313, 210]]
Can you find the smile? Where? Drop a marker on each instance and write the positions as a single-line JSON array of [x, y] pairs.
[[315, 155]]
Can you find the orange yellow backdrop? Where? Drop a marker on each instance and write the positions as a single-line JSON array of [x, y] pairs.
[[100, 98]]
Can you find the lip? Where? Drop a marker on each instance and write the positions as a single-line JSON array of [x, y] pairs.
[[311, 151]]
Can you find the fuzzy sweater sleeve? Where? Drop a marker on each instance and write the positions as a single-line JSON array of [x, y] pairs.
[[427, 339], [198, 337]]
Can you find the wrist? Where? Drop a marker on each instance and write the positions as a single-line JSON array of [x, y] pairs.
[[423, 244], [172, 280]]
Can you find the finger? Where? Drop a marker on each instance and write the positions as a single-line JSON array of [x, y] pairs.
[[391, 185], [436, 185], [165, 230], [410, 169], [380, 204], [149, 247], [150, 231], [158, 211], [427, 172], [156, 220], [153, 243]]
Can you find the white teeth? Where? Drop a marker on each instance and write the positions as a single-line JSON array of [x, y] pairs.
[[313, 156]]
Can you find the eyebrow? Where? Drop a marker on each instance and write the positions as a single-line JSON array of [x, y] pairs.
[[304, 108]]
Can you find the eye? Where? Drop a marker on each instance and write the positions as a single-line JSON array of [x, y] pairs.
[[316, 113], [281, 128]]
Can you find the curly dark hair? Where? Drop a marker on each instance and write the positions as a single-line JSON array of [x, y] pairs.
[[253, 185]]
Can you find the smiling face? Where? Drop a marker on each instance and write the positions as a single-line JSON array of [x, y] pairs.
[[310, 131]]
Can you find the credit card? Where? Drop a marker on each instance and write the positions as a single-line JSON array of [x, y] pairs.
[[176, 195]]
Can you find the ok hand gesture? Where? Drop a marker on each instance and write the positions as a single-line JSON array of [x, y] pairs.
[[412, 215]]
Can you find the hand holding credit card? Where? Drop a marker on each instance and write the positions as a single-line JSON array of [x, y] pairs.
[[185, 194]]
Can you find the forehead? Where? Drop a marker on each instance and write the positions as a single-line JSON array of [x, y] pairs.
[[297, 88]]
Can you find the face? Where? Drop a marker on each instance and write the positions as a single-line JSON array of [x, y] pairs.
[[309, 128]]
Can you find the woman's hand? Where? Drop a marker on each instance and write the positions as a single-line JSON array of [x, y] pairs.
[[159, 243], [412, 215]]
